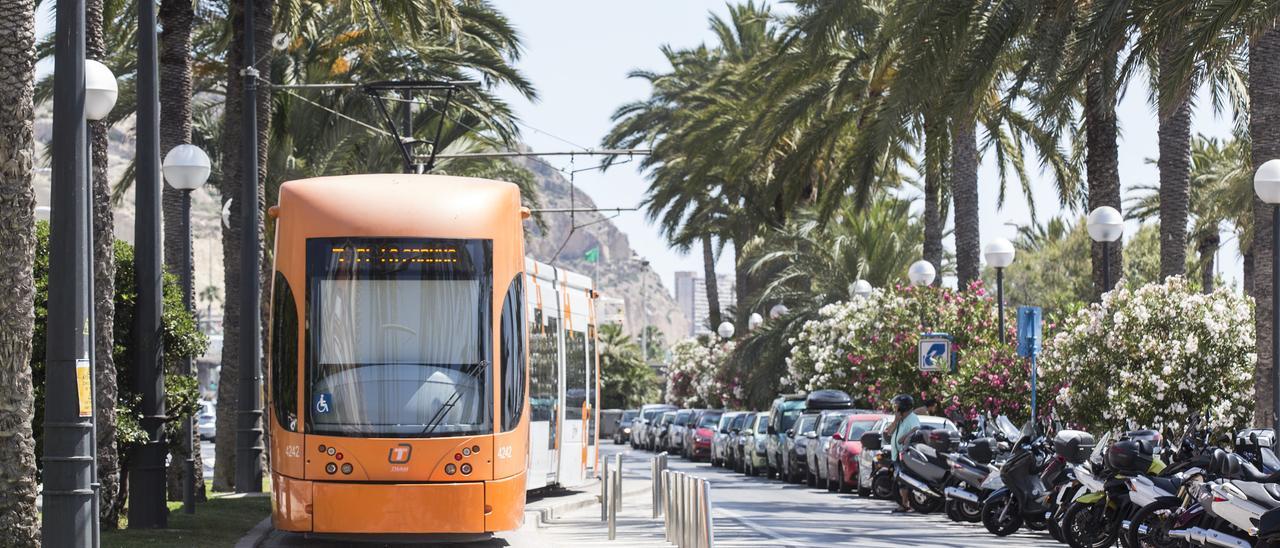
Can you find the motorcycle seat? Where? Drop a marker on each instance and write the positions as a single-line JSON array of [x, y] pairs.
[[1265, 494], [1249, 472], [1169, 485]]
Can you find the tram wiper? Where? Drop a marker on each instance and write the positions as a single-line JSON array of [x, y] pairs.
[[472, 371]]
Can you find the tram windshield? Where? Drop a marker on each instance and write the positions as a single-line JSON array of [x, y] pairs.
[[400, 337]]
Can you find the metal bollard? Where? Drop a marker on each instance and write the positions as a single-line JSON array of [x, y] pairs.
[[709, 540], [666, 504], [604, 491], [617, 479], [682, 509], [613, 508]]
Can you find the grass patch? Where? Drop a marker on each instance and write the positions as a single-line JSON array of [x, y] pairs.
[[219, 522]]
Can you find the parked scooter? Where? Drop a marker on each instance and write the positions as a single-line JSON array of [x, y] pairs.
[[975, 473], [1030, 477], [925, 469]]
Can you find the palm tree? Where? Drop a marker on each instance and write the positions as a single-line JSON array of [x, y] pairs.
[[814, 261], [709, 185], [19, 521], [626, 381], [1221, 187]]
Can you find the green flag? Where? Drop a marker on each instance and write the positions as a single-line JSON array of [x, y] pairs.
[[592, 255]]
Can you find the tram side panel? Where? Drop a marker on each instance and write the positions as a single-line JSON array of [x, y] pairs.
[[544, 382]]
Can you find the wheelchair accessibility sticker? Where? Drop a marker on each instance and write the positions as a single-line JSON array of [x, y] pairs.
[[324, 403]]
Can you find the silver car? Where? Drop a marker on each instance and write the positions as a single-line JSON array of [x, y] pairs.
[[206, 420], [720, 442], [755, 446]]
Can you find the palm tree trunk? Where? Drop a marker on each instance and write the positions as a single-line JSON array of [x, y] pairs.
[[1175, 175], [1247, 283], [225, 449], [19, 521], [1264, 132], [1207, 248], [1101, 159], [713, 288], [964, 190], [176, 17], [933, 219], [104, 294]]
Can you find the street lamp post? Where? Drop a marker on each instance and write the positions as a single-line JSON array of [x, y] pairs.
[[726, 330], [147, 508], [1266, 183], [249, 378], [1105, 226], [186, 168], [921, 273], [82, 90], [999, 254], [860, 289], [644, 307]]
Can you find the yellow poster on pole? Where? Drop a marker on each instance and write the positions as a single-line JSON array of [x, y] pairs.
[[84, 388]]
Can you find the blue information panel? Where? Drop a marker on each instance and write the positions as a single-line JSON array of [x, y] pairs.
[[1030, 332]]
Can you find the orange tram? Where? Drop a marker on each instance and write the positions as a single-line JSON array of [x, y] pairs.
[[422, 374]]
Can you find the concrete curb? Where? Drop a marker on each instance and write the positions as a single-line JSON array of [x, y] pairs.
[[546, 514], [256, 535]]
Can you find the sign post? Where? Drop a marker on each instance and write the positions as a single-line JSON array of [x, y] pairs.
[[1030, 336], [936, 352]]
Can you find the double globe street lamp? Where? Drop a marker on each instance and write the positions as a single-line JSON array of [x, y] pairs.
[[860, 289], [921, 273], [999, 254], [186, 168]]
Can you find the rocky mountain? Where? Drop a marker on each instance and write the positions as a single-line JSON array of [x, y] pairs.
[[626, 285]]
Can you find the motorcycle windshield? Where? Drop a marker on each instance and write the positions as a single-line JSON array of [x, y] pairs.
[[1007, 428]]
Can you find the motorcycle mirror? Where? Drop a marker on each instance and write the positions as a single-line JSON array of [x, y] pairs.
[[836, 436], [791, 433]]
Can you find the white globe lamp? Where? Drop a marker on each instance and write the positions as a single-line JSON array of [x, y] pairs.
[[921, 273], [100, 90]]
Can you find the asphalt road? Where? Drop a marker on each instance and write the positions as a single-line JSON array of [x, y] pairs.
[[749, 512], [786, 514]]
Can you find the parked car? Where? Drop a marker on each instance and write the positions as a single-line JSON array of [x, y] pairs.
[[867, 459], [609, 422], [737, 439], [662, 431], [782, 417], [701, 431], [622, 428], [816, 401], [641, 427], [206, 420], [755, 445], [720, 441], [818, 443], [675, 436], [795, 465], [844, 450]]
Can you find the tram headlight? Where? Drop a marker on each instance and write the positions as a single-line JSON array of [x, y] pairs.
[[450, 468], [346, 468], [331, 468], [466, 468]]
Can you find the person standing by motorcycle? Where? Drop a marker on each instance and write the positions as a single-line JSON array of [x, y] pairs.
[[905, 421]]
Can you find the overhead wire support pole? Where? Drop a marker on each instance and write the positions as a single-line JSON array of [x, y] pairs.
[[249, 405]]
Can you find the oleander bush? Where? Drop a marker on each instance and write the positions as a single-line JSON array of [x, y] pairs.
[[700, 376], [868, 347], [1156, 354]]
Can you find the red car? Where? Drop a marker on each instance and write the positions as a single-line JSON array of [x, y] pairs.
[[843, 451]]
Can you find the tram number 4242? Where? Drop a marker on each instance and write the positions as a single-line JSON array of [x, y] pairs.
[[504, 452]]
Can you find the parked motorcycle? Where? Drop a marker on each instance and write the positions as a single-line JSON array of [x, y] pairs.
[[1030, 478]]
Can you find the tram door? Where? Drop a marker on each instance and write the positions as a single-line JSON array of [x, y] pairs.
[[544, 381], [577, 407]]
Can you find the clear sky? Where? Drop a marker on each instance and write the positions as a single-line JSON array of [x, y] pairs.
[[578, 53]]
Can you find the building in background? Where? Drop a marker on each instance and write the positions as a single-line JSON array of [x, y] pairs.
[[691, 297]]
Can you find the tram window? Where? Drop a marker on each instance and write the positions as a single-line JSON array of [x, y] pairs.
[[543, 352], [513, 356], [284, 354], [401, 337], [575, 373]]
